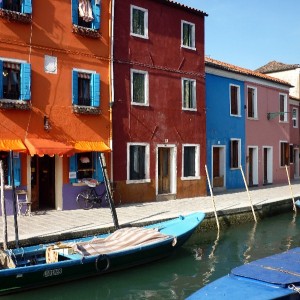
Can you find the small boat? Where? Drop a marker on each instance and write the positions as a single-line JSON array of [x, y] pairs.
[[272, 277], [297, 203], [52, 263]]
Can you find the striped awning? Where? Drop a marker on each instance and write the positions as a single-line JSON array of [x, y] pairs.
[[13, 144]]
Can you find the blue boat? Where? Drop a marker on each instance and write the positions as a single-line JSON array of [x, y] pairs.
[[297, 203], [272, 277]]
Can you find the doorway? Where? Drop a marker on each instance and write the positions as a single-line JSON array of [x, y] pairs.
[[267, 165], [164, 171], [252, 166], [296, 163], [218, 166], [43, 181]]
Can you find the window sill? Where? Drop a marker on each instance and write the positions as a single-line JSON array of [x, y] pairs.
[[191, 178], [145, 37], [188, 48], [86, 110], [138, 181], [15, 16], [14, 104], [87, 32]]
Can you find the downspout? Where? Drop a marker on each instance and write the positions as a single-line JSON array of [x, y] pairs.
[[112, 85]]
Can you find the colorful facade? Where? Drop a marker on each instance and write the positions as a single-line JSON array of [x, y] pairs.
[[54, 96], [159, 101]]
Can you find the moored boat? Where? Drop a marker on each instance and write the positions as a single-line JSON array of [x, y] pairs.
[[42, 265]]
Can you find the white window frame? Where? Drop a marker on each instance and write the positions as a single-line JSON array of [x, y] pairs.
[[193, 46], [146, 95], [145, 36], [194, 94], [285, 117], [239, 153], [255, 114], [197, 162], [280, 153], [296, 118], [238, 100], [147, 163]]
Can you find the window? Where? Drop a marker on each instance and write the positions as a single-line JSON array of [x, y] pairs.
[[188, 94], [21, 6], [190, 161], [86, 88], [252, 102], [187, 35], [283, 107], [85, 165], [86, 13], [291, 153], [139, 22], [235, 153], [284, 154], [234, 100], [138, 162], [139, 87], [15, 80], [295, 117], [5, 158]]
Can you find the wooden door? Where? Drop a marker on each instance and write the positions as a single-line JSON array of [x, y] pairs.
[[164, 171]]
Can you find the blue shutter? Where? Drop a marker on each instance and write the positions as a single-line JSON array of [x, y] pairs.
[[75, 12], [17, 170], [96, 15], [98, 171], [26, 7], [25, 81], [1, 79], [73, 167], [75, 87], [95, 89], [1, 4]]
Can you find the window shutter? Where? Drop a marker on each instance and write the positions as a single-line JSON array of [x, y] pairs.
[[26, 7], [98, 171], [17, 170], [1, 4], [73, 167], [96, 14], [25, 81], [75, 87], [1, 79], [75, 12], [95, 89]]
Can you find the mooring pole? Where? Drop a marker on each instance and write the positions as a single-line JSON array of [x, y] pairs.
[[288, 176], [212, 198], [248, 193], [3, 208]]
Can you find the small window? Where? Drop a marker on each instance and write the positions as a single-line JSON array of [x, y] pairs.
[[283, 108], [235, 100], [15, 80], [138, 164], [188, 94], [86, 88], [139, 87], [295, 118], [252, 103], [284, 154], [139, 22], [20, 6], [235, 154], [190, 161], [187, 35], [86, 13]]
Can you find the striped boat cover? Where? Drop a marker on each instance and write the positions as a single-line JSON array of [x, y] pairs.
[[121, 239]]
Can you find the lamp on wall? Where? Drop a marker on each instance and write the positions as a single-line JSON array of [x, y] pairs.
[[47, 125]]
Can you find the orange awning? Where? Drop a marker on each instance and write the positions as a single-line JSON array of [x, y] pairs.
[[86, 146], [43, 147], [15, 145]]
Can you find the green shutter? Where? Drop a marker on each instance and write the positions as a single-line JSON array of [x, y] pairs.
[[95, 89], [74, 87], [73, 167], [25, 81]]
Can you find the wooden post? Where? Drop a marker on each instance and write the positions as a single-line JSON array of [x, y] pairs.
[[3, 208], [288, 176], [248, 193], [212, 197]]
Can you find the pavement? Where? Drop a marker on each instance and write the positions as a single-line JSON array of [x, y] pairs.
[[55, 224]]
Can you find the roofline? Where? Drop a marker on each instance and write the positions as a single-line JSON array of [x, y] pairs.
[[293, 67], [184, 7]]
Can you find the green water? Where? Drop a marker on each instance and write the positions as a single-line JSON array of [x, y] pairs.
[[203, 259]]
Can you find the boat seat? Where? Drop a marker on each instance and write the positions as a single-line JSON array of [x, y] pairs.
[[22, 200]]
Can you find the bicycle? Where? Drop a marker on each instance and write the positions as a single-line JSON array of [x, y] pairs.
[[89, 197]]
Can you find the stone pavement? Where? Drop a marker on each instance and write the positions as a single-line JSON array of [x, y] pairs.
[[55, 224]]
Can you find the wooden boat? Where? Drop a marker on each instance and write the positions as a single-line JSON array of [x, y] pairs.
[[42, 265], [273, 277]]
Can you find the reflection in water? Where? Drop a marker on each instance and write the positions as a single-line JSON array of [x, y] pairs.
[[183, 273]]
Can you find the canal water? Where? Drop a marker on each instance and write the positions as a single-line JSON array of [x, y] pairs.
[[206, 257]]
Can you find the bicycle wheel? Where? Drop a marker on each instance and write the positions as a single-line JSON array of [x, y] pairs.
[[83, 202]]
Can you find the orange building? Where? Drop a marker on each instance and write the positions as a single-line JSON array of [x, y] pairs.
[[55, 96]]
